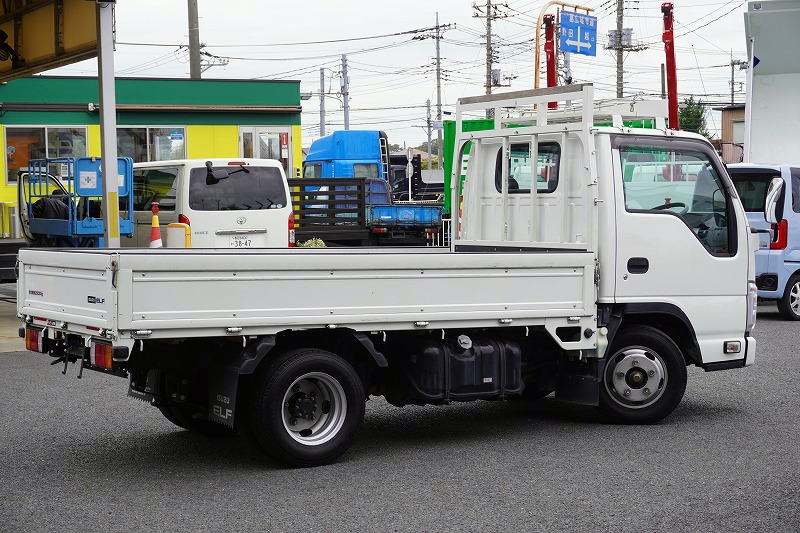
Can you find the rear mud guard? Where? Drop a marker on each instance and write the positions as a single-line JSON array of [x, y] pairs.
[[223, 379]]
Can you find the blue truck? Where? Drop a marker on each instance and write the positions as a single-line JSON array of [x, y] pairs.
[[349, 189]]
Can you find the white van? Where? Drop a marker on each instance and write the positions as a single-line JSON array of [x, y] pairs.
[[228, 203]]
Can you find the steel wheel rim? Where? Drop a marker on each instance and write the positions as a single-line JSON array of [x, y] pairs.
[[636, 377], [794, 298], [314, 408]]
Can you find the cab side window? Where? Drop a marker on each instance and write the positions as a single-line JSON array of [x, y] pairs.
[[154, 185], [685, 184]]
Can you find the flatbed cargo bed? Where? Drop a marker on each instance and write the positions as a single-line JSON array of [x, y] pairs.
[[213, 292]]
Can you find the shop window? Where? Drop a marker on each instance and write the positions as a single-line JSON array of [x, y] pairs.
[[26, 143], [151, 144]]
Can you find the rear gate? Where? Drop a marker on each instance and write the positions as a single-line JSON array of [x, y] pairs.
[[71, 290]]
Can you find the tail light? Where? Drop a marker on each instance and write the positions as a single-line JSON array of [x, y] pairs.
[[34, 339], [100, 354], [291, 230], [183, 219], [781, 233]]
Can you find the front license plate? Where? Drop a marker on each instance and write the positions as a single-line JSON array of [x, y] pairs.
[[241, 241]]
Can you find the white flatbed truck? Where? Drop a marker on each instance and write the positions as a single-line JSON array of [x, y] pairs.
[[591, 283]]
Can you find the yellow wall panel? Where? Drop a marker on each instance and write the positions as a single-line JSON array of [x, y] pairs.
[[297, 149], [212, 141], [93, 143]]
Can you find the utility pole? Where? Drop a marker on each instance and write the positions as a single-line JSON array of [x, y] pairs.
[[429, 127], [345, 92], [620, 10], [619, 40], [663, 83], [489, 15], [438, 95], [194, 41], [489, 57], [322, 102], [742, 65]]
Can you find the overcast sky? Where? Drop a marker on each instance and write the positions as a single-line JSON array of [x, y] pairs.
[[391, 77]]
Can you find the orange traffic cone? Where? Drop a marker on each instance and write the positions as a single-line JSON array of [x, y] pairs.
[[155, 229]]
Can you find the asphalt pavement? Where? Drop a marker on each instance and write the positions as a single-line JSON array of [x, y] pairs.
[[79, 455]]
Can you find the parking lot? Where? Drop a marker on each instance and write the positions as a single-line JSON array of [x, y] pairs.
[[79, 455]]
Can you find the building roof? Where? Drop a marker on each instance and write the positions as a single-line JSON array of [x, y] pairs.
[[730, 107]]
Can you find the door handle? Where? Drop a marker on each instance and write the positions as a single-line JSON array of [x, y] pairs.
[[638, 265]]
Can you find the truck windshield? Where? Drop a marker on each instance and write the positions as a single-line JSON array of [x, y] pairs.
[[257, 188], [752, 188]]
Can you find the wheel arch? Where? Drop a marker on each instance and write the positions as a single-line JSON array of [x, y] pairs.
[[667, 318]]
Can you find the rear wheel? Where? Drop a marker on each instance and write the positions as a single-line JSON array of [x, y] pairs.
[[789, 304], [644, 377], [307, 406]]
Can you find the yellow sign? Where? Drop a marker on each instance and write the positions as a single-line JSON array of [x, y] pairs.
[[37, 35]]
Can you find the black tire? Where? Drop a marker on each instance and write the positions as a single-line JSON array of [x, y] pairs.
[[335, 427], [636, 352], [194, 421], [785, 308]]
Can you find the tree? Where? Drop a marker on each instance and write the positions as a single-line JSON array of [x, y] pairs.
[[393, 147], [434, 146], [692, 117]]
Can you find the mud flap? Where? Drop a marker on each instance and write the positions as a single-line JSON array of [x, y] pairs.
[[579, 381], [223, 379], [223, 383]]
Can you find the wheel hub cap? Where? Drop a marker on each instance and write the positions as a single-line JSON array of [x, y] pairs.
[[635, 377]]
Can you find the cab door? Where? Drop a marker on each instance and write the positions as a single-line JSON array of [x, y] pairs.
[[681, 237]]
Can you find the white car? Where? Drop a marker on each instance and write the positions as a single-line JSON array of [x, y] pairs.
[[228, 203]]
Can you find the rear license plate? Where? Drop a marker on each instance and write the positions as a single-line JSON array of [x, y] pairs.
[[241, 241]]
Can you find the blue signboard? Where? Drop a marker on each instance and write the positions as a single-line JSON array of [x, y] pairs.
[[578, 34]]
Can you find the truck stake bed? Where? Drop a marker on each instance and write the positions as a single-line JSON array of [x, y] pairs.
[[592, 263]]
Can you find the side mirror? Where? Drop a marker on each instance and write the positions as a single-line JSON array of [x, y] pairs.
[[771, 208]]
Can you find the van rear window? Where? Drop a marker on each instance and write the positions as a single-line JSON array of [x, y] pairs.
[[244, 188], [752, 189]]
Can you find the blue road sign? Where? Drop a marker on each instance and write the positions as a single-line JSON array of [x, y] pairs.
[[578, 34]]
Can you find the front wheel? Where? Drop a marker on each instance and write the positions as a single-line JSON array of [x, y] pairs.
[[306, 408], [789, 304], [644, 377]]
